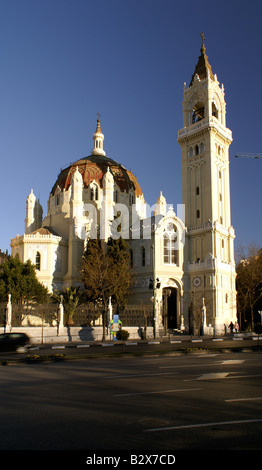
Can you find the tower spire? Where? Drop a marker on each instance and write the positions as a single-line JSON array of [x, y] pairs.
[[98, 138], [203, 67]]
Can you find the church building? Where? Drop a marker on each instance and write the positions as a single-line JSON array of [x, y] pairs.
[[183, 261]]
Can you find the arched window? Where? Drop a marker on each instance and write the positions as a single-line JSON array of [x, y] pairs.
[[94, 193], [214, 110], [169, 241], [143, 256], [38, 261], [201, 148], [131, 199], [198, 112]]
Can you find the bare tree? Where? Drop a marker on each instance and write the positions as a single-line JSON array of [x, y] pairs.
[[249, 284], [106, 273]]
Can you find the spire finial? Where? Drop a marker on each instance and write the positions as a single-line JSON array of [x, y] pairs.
[[203, 67], [98, 138]]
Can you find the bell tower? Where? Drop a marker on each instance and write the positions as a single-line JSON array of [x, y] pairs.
[[209, 251]]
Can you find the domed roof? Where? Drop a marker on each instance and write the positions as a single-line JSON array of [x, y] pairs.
[[94, 167]]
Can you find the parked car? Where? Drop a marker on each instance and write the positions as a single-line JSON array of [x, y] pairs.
[[18, 342]]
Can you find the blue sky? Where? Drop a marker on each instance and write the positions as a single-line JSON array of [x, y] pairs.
[[63, 61]]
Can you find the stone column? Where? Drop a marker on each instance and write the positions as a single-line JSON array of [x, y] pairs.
[[9, 315], [61, 313], [203, 318]]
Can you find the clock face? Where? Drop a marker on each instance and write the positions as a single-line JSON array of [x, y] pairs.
[[196, 281]]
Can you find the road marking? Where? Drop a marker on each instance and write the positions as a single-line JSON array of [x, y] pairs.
[[83, 345], [204, 425], [233, 361], [244, 399], [58, 347], [191, 365], [213, 375], [206, 355], [223, 375], [127, 376], [157, 391]]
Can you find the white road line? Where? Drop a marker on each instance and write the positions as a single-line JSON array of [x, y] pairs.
[[83, 346], [232, 361], [58, 347], [191, 365], [206, 355], [222, 375], [127, 376], [204, 425], [157, 391], [213, 375], [244, 399]]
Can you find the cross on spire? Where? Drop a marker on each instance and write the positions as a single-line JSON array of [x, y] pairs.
[[203, 38]]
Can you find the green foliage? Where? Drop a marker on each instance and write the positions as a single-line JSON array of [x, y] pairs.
[[19, 279], [249, 287], [106, 272], [71, 298], [122, 335]]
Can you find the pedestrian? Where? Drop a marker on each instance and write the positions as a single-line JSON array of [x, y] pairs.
[[236, 326], [231, 326]]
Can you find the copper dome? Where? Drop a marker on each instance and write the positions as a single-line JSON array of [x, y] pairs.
[[93, 168]]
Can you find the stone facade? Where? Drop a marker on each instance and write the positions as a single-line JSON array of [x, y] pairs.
[[183, 260]]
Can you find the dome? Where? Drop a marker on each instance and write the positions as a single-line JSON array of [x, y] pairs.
[[93, 168]]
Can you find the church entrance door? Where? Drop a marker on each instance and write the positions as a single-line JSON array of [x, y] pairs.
[[170, 298]]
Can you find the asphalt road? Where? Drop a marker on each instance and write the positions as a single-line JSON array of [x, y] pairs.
[[174, 344], [161, 403]]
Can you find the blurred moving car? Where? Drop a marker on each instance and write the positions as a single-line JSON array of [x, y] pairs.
[[18, 342]]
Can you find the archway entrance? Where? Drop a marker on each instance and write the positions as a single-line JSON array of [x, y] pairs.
[[170, 317]]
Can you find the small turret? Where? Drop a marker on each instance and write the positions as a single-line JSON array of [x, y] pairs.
[[161, 205], [34, 213], [98, 140]]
